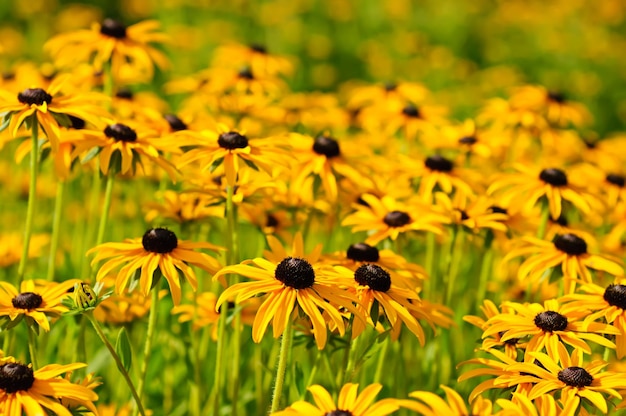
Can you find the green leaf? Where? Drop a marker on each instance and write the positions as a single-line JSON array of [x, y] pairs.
[[6, 120], [91, 154], [215, 164], [250, 164], [62, 119], [123, 349]]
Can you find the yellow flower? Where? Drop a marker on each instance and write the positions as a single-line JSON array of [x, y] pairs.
[[11, 247], [430, 404], [36, 300], [160, 249], [127, 49], [348, 403], [23, 390], [256, 57]]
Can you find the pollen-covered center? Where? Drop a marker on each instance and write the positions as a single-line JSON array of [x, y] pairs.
[[554, 177], [439, 163], [397, 219], [615, 295], [575, 377], [232, 140], [175, 123], [295, 272], [35, 96], [373, 276], [27, 300], [120, 132], [411, 111], [556, 97], [570, 244], [16, 377], [339, 413], [363, 252], [159, 240], [617, 180], [469, 140], [327, 146], [551, 321], [113, 28], [259, 48]]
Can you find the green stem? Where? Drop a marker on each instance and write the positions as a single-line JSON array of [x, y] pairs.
[[32, 351], [285, 347], [108, 192], [56, 225], [32, 190], [219, 358], [486, 266], [454, 262], [118, 361], [348, 375], [147, 348]]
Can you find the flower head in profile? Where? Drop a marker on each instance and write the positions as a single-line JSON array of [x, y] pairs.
[[158, 251], [50, 108], [297, 282], [430, 404], [35, 392], [349, 403], [255, 56], [128, 49], [36, 301]]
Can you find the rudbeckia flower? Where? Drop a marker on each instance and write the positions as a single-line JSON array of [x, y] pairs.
[[349, 403], [388, 218], [35, 301], [255, 56], [549, 326], [160, 249], [553, 105], [35, 392], [128, 49], [567, 374], [567, 250], [608, 303], [474, 215], [430, 404], [295, 282], [51, 108]]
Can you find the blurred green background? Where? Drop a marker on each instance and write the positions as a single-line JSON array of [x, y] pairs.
[[464, 51]]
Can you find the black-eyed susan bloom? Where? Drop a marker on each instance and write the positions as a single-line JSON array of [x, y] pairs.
[[567, 250], [128, 49], [549, 326], [349, 403], [298, 280], [430, 404], [158, 249], [567, 375], [36, 301], [608, 303], [51, 108], [36, 392]]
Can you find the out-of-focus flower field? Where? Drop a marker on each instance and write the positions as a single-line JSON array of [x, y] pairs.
[[312, 207]]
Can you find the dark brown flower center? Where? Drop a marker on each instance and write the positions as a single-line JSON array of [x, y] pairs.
[[615, 295], [363, 252], [397, 219], [617, 180], [439, 163], [246, 73], [159, 240], [498, 210], [469, 140], [575, 377], [16, 377], [77, 123], [113, 28], [556, 97], [551, 321], [327, 146], [232, 140], [411, 111], [373, 276], [339, 413], [27, 300], [390, 86], [562, 220], [258, 48], [570, 244], [124, 93], [554, 177], [175, 123], [295, 272], [35, 96], [120, 132], [271, 220]]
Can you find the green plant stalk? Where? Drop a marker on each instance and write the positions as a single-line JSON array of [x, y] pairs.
[[486, 267], [454, 262], [285, 349], [348, 374], [106, 207], [32, 191], [118, 361], [32, 350], [197, 373], [219, 358], [56, 226], [147, 348]]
